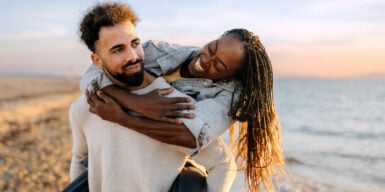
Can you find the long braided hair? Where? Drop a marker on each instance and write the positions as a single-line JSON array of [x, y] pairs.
[[259, 146]]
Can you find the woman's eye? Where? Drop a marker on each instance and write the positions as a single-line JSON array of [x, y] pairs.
[[219, 67]]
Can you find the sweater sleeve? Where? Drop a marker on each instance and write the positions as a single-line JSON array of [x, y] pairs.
[[220, 165], [79, 147]]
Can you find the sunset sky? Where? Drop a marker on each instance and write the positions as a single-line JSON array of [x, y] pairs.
[[316, 38]]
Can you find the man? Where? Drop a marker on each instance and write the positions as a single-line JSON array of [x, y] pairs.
[[121, 159]]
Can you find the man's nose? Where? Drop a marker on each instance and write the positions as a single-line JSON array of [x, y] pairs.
[[131, 55]]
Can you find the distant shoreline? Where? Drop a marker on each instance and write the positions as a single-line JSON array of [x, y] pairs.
[[33, 75], [377, 76], [277, 77]]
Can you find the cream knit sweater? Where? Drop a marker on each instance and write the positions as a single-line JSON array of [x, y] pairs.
[[121, 159]]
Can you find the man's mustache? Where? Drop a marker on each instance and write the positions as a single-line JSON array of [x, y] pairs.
[[132, 63]]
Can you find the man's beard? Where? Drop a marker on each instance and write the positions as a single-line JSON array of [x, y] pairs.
[[132, 80]]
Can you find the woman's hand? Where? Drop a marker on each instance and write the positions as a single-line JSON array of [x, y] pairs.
[[156, 106], [104, 106]]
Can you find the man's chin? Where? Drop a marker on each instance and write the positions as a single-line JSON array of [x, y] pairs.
[[123, 79], [134, 83], [133, 80]]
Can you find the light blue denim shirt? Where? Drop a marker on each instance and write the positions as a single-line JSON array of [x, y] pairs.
[[213, 98]]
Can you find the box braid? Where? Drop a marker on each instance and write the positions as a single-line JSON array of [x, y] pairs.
[[259, 147]]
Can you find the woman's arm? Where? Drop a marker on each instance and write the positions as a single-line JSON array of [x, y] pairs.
[[152, 105], [211, 120], [108, 109]]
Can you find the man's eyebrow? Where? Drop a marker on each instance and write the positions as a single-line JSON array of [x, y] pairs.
[[135, 40], [122, 45], [116, 46]]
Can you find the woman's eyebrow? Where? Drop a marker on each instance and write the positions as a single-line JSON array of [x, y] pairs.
[[216, 45], [219, 60]]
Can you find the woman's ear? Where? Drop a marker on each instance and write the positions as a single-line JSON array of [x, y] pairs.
[[96, 60]]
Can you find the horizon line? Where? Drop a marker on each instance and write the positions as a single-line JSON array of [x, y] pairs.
[[278, 76]]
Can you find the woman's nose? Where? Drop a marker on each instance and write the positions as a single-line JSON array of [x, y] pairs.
[[206, 61]]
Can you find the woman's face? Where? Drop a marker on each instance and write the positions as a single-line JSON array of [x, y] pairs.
[[219, 59]]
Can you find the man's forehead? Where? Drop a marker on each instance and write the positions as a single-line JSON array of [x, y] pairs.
[[116, 34], [123, 29]]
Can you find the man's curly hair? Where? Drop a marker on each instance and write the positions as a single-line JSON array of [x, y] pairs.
[[104, 14]]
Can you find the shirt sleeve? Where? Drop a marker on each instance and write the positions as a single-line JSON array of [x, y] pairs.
[[79, 147], [94, 77]]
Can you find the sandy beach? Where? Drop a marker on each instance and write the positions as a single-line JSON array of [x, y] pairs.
[[35, 141], [35, 137]]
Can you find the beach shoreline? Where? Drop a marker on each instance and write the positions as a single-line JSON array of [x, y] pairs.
[[36, 141]]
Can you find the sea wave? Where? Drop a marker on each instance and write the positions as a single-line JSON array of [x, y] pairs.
[[347, 134]]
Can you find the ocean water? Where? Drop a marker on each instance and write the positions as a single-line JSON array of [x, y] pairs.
[[333, 132]]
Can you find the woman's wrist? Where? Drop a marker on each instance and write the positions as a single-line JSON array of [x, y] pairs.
[[122, 118], [124, 98]]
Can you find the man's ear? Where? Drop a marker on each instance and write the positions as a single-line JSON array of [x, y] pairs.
[[96, 60]]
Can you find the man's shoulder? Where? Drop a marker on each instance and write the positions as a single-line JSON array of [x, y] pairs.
[[79, 106]]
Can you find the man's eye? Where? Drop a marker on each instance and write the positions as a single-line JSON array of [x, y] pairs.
[[117, 50], [135, 44]]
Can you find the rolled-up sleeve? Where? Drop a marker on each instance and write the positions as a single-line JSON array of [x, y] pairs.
[[94, 75]]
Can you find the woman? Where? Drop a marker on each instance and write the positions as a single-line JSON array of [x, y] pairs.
[[237, 58]]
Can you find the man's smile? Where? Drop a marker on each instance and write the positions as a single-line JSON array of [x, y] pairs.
[[132, 69]]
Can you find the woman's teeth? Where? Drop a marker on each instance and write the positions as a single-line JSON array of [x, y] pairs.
[[198, 66]]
